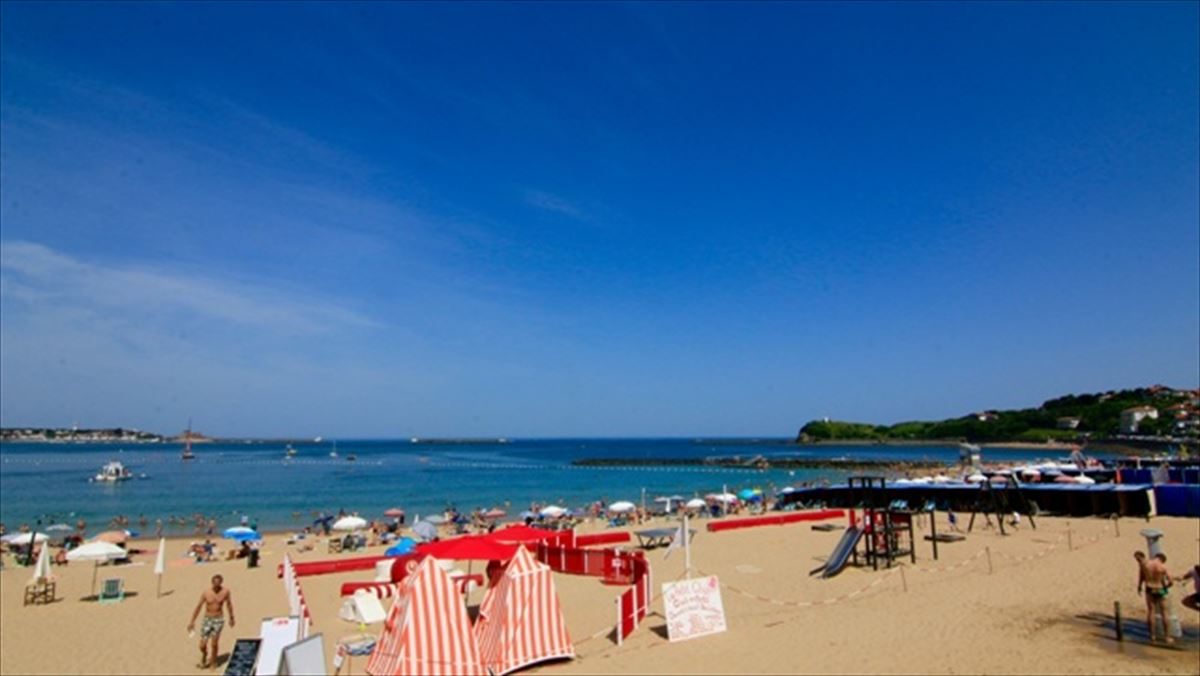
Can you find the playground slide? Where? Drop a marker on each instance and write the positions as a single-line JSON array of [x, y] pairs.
[[841, 553]]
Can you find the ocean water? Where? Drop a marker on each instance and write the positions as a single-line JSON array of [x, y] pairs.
[[49, 482]]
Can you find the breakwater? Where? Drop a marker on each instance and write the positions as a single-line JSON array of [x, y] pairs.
[[760, 462]]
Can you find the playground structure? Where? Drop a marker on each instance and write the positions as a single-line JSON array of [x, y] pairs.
[[886, 531], [1000, 498]]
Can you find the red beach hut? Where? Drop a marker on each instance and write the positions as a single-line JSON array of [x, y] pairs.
[[427, 631], [520, 620]]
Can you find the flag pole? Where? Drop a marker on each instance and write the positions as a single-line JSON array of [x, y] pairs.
[[687, 549]]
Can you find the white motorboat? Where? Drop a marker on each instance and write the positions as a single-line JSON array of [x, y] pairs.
[[112, 472]]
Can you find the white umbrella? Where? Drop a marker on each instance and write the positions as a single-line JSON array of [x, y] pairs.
[[723, 497], [24, 539], [620, 507], [350, 523], [59, 527], [160, 564], [976, 478], [553, 511], [41, 570], [96, 551], [696, 503], [942, 479]]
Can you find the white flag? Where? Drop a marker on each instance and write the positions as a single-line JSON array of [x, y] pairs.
[[676, 542]]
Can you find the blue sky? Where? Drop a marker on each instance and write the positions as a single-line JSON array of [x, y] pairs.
[[590, 219]]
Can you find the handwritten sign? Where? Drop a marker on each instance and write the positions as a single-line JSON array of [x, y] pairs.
[[693, 608]]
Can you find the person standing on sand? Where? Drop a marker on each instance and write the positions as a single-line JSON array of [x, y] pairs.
[[213, 601], [1192, 600], [1157, 580]]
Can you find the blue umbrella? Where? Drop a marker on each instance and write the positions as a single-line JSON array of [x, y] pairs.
[[426, 530], [749, 494], [405, 546], [241, 534]]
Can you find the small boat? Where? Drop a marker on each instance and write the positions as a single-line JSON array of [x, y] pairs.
[[187, 444], [333, 453], [351, 457], [113, 472], [291, 452]]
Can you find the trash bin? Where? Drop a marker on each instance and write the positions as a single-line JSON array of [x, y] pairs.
[[252, 559]]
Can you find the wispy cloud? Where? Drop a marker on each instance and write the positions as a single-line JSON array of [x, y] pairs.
[[36, 274], [553, 203]]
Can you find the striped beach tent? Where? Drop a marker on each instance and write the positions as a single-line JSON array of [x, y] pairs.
[[427, 631], [520, 620]]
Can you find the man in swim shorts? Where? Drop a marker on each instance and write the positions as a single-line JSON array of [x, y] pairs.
[[1157, 580], [213, 601]]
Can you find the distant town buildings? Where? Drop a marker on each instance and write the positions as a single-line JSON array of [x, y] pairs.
[[987, 416]]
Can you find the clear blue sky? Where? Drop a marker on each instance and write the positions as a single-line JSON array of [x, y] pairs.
[[617, 219]]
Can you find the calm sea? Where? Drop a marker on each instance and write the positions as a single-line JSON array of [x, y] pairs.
[[50, 481]]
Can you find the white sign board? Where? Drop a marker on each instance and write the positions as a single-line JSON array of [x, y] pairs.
[[693, 608], [276, 633]]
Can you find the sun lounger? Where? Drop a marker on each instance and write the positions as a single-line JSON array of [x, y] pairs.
[[655, 537], [113, 590]]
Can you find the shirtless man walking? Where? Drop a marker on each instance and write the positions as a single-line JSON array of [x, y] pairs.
[[213, 601]]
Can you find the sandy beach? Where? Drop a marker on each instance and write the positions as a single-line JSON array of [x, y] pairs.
[[1044, 608]]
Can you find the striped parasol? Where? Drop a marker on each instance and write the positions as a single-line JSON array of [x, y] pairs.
[[520, 620], [427, 630]]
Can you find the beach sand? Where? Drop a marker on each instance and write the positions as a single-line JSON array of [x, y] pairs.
[[1044, 608]]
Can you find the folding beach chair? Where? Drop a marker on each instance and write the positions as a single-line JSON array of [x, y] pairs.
[[113, 590]]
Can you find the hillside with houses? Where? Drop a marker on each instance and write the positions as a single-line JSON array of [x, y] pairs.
[[1156, 412]]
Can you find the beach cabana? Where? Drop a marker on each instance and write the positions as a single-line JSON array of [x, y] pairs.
[[520, 620], [427, 631]]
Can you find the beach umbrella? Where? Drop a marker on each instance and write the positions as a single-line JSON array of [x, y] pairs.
[[406, 545], [41, 570], [722, 497], [239, 533], [394, 512], [787, 490], [695, 503], [553, 511], [750, 494], [622, 506], [350, 523], [521, 533], [426, 530], [96, 552], [468, 547], [24, 539], [115, 537], [942, 479], [436, 519], [494, 514], [160, 565], [976, 478], [59, 527]]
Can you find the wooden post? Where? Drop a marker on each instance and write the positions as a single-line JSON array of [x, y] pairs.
[[932, 533], [989, 558], [1117, 615], [1117, 524], [1070, 545], [903, 579]]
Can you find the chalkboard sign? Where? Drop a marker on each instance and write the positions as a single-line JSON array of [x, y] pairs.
[[243, 657]]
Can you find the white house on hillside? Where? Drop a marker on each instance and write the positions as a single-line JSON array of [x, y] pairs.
[[1130, 417]]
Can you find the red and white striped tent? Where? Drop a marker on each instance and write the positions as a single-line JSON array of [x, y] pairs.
[[427, 630], [520, 620]]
